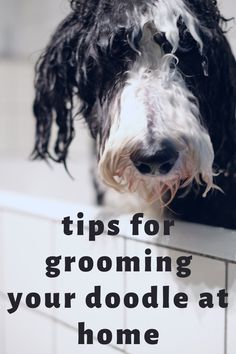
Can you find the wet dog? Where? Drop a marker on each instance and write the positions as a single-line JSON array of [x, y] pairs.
[[155, 81]]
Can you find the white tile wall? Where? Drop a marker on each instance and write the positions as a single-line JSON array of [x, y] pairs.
[[83, 283], [27, 242], [202, 330], [23, 255], [27, 333], [206, 240]]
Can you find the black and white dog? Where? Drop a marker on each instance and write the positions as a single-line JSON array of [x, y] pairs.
[[156, 82]]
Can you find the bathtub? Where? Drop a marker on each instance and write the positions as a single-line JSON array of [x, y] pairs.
[[34, 198]]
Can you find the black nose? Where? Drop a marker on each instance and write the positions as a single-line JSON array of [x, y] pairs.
[[159, 163]]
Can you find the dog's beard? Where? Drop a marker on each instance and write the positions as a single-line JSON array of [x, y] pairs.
[[118, 171]]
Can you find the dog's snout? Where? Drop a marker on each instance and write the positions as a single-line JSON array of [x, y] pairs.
[[159, 163]]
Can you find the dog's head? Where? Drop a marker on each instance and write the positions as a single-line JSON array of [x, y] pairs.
[[133, 70]]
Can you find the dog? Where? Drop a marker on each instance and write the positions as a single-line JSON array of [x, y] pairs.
[[155, 80]]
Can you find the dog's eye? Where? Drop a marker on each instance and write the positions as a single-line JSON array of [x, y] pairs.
[[186, 42], [161, 40]]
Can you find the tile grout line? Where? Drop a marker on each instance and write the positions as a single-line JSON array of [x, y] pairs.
[[53, 248], [125, 289], [179, 249], [226, 310]]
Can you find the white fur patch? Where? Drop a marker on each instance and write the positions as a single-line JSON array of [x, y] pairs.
[[164, 14]]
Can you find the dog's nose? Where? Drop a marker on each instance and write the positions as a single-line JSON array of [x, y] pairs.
[[159, 163]]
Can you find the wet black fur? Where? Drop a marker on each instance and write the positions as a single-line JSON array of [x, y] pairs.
[[87, 58]]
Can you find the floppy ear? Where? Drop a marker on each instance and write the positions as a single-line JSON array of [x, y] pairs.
[[75, 65], [60, 77], [54, 81]]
